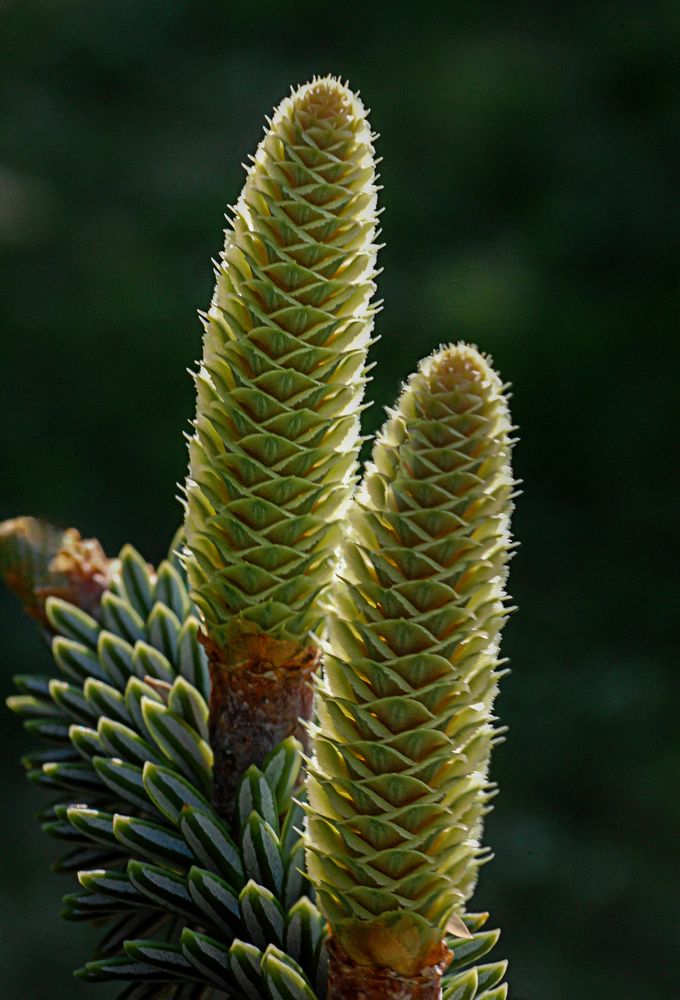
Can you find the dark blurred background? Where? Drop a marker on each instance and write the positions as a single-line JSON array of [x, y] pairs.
[[531, 205]]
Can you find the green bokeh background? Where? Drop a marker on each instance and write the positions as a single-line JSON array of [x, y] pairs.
[[531, 205]]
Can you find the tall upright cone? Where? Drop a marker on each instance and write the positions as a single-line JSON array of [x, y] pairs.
[[274, 452], [398, 781]]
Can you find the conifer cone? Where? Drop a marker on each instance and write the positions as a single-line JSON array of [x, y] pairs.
[[276, 435], [398, 780]]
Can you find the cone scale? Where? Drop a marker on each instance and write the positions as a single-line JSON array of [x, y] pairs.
[[274, 452], [398, 780]]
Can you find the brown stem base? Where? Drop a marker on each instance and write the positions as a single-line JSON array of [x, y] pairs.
[[252, 709], [349, 981]]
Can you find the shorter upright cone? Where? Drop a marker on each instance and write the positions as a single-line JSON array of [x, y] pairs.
[[398, 782]]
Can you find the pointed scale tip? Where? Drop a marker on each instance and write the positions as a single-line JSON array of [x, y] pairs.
[[452, 361], [324, 97]]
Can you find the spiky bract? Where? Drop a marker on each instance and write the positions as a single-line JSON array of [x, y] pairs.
[[398, 781], [273, 456]]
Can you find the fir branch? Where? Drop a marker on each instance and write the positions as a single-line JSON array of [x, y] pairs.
[[184, 901]]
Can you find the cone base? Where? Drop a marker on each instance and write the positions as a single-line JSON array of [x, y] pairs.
[[349, 981]]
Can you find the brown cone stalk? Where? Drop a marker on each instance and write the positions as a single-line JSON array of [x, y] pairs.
[[254, 706]]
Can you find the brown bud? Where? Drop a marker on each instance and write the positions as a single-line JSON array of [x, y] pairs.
[[38, 561]]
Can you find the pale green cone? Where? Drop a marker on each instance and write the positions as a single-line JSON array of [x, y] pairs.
[[273, 457], [398, 782]]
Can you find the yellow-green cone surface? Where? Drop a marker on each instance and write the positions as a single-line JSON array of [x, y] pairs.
[[273, 457], [398, 782]]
